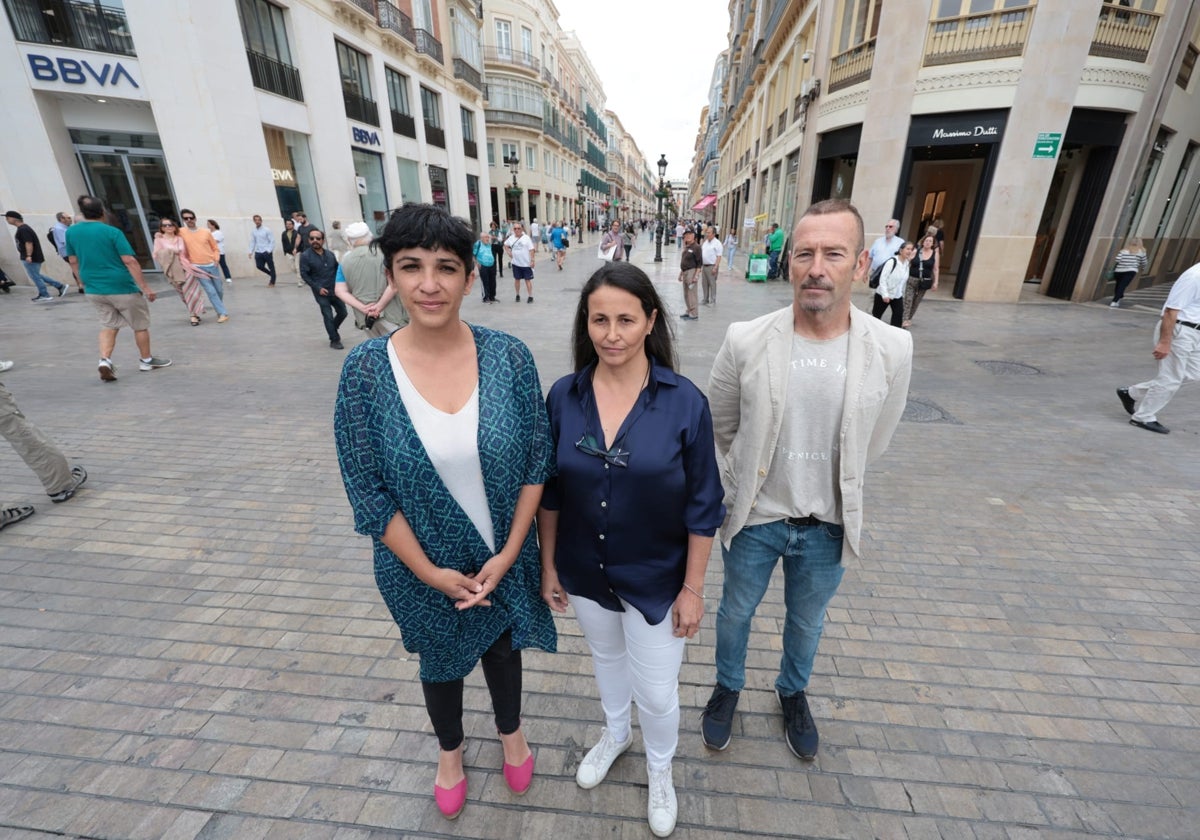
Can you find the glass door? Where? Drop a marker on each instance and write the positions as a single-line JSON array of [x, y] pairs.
[[136, 190]]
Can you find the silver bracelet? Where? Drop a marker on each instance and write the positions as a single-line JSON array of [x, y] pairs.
[[693, 591]]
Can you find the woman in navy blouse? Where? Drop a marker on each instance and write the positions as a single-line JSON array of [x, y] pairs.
[[627, 524], [444, 447]]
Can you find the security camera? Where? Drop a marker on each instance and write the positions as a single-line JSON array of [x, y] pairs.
[[807, 57]]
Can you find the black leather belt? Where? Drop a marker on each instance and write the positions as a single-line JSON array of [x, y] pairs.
[[1188, 324], [807, 521]]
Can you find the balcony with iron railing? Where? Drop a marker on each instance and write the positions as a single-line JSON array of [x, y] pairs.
[[428, 45], [979, 37], [403, 124], [367, 6], [435, 136], [501, 116], [359, 107], [470, 149], [394, 21], [511, 58], [79, 24], [275, 76], [1124, 33], [852, 66], [464, 71]]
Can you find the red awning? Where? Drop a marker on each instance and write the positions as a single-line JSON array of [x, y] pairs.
[[706, 202]]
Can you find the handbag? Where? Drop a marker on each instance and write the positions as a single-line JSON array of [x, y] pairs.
[[566, 241], [606, 254], [924, 283]]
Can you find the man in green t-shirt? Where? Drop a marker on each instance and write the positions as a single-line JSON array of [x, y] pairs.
[[104, 260], [774, 248]]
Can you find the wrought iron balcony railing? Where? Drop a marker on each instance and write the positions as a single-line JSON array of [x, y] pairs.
[[81, 24], [360, 108], [464, 71], [404, 124], [275, 76], [429, 45]]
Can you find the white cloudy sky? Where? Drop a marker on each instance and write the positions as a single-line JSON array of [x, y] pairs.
[[655, 64]]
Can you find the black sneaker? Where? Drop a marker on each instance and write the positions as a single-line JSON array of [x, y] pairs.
[[799, 728], [1127, 402], [716, 724]]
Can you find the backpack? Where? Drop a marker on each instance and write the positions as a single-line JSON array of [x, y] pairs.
[[50, 239], [873, 283]]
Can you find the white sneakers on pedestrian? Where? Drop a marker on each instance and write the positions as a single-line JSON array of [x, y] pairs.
[[663, 808], [5, 366], [599, 759]]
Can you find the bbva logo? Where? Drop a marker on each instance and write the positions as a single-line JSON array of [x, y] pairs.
[[72, 72], [367, 138]]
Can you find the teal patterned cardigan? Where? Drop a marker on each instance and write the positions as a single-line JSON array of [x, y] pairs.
[[386, 469]]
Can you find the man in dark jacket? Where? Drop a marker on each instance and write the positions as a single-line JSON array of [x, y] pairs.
[[318, 268]]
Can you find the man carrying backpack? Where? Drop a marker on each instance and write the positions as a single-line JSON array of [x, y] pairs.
[[884, 247]]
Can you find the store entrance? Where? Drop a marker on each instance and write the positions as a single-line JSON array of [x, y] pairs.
[[133, 183]]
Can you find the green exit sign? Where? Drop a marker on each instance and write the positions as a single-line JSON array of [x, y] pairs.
[[1047, 145]]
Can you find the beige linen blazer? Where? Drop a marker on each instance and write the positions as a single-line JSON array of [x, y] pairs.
[[746, 394]]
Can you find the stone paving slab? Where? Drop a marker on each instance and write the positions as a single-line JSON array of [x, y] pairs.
[[193, 647]]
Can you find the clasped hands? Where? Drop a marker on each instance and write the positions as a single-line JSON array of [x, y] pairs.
[[472, 590]]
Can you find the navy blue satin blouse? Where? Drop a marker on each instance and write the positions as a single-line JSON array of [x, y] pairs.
[[625, 513]]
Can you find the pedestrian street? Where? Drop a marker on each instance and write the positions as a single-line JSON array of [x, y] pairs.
[[194, 646]]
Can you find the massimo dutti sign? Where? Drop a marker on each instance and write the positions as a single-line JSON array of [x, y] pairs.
[[964, 128]]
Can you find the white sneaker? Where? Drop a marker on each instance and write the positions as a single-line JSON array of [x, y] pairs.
[[663, 807], [595, 764], [1116, 304], [5, 366]]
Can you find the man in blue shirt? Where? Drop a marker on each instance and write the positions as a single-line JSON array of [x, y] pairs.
[[262, 248], [557, 236]]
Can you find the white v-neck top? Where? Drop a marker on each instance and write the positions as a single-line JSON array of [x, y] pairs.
[[451, 442]]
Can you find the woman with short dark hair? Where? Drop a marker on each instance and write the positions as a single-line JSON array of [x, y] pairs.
[[444, 447]]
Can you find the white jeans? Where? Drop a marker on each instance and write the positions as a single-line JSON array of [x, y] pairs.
[[635, 661], [1181, 365]]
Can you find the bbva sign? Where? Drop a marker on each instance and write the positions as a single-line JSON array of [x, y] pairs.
[[78, 72]]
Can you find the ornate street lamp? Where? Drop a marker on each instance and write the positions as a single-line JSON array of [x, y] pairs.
[[513, 193], [579, 209], [660, 194]]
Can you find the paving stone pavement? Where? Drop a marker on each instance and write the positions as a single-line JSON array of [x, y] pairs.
[[193, 647]]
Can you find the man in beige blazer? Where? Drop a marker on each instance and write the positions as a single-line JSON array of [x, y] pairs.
[[802, 399]]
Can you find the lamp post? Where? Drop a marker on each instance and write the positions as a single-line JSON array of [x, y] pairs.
[[514, 192], [579, 209], [660, 195]]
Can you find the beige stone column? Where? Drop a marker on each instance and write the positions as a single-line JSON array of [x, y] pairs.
[[1057, 47]]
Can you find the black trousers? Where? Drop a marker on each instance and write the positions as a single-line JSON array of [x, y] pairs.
[[264, 261], [487, 279], [502, 671], [896, 305], [1124, 278], [498, 253], [333, 312]]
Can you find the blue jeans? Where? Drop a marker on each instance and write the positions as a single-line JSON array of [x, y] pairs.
[[812, 570], [34, 270], [772, 264], [210, 281]]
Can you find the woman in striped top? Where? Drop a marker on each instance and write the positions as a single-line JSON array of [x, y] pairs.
[[1130, 260]]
